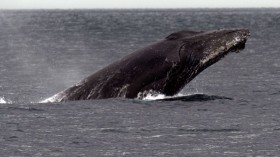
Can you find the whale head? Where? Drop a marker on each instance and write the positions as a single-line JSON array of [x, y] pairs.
[[200, 50], [220, 43], [209, 47]]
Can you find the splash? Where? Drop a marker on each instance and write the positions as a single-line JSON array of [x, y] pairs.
[[50, 99], [153, 96], [4, 101]]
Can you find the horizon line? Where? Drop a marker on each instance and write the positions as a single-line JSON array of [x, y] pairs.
[[139, 8]]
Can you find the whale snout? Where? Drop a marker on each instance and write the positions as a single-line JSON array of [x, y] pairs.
[[242, 35], [241, 39], [244, 32]]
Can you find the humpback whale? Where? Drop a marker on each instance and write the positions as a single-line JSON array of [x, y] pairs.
[[164, 67]]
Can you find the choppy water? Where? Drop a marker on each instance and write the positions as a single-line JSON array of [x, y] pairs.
[[43, 52]]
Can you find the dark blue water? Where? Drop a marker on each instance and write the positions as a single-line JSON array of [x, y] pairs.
[[44, 52]]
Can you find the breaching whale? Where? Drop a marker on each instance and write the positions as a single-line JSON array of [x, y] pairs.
[[164, 67]]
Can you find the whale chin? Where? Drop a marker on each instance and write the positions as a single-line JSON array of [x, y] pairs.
[[240, 46]]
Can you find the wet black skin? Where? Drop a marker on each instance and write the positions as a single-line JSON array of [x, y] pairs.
[[164, 67]]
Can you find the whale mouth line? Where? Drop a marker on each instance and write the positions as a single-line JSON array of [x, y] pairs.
[[239, 46]]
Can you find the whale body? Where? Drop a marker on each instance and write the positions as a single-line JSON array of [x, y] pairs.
[[164, 67]]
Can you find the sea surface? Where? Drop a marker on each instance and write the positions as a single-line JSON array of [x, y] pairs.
[[232, 108]]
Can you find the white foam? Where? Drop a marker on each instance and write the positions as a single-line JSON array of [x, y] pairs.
[[55, 98], [152, 96], [4, 101], [50, 99]]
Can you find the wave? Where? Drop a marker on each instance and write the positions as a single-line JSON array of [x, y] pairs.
[[189, 97], [161, 97]]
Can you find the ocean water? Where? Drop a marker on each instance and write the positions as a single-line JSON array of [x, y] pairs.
[[232, 108]]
